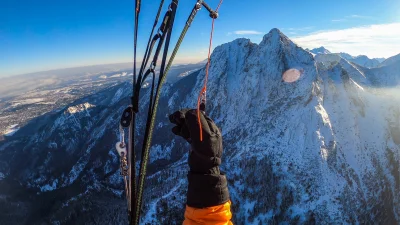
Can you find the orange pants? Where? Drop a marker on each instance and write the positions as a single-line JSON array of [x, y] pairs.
[[215, 215]]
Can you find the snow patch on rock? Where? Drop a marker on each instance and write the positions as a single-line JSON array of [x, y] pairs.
[[117, 96], [11, 130], [79, 108], [49, 187], [2, 176]]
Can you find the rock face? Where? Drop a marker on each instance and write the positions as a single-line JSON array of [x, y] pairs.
[[323, 149]]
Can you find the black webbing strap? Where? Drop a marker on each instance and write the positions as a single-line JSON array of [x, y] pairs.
[[164, 34]]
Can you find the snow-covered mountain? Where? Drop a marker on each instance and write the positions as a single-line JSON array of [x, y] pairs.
[[391, 60], [320, 50], [323, 149], [361, 60], [380, 60], [345, 55]]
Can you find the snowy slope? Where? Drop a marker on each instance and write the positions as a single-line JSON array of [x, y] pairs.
[[380, 60], [345, 55], [320, 50], [323, 149], [391, 60], [361, 60]]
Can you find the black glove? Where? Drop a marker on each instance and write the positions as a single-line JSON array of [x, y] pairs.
[[207, 185], [205, 156]]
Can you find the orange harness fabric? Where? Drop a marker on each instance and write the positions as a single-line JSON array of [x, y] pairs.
[[215, 215]]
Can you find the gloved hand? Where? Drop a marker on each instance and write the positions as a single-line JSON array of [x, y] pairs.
[[205, 156], [207, 185]]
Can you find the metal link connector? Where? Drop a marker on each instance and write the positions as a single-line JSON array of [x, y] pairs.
[[214, 14]]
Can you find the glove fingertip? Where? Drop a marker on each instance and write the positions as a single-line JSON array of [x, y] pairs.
[[171, 118], [176, 130]]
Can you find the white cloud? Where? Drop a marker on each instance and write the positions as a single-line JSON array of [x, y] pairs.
[[339, 20], [381, 40], [359, 17], [299, 28], [351, 17], [248, 32]]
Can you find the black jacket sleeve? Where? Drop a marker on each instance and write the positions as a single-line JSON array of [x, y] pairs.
[[207, 190]]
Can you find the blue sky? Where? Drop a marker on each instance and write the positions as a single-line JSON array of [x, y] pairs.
[[42, 34]]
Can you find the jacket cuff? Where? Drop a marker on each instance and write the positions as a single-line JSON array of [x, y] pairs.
[[206, 190]]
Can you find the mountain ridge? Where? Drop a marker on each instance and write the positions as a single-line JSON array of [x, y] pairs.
[[391, 60], [361, 60]]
